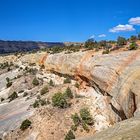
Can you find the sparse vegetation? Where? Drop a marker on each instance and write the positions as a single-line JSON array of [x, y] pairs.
[[59, 100], [133, 38], [121, 41], [36, 104], [106, 51], [21, 91], [77, 85], [35, 82], [13, 96], [25, 94], [9, 83], [5, 65], [44, 90], [39, 102], [25, 124], [70, 135], [90, 44], [76, 119], [85, 120], [2, 99], [51, 83], [86, 117], [133, 46], [42, 102], [68, 93], [67, 80]]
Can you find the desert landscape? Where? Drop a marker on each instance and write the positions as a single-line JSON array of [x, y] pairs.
[[73, 93], [69, 70]]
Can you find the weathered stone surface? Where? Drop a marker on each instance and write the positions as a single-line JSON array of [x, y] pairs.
[[113, 74], [125, 130]]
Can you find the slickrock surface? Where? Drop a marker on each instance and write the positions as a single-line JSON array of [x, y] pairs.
[[126, 130], [109, 87], [114, 75]]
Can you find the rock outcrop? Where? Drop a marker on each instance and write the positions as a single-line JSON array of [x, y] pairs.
[[126, 130], [115, 75]]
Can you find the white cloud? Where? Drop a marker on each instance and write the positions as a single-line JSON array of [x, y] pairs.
[[102, 35], [122, 28], [93, 36], [134, 21]]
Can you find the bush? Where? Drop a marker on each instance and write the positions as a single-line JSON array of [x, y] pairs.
[[44, 90], [133, 38], [35, 82], [86, 116], [85, 127], [68, 93], [2, 99], [70, 135], [25, 124], [74, 127], [39, 102], [106, 52], [21, 91], [51, 83], [77, 85], [13, 96], [42, 102], [59, 100], [36, 104], [9, 84], [121, 41], [133, 46], [76, 119], [25, 94], [67, 80], [7, 79], [90, 43]]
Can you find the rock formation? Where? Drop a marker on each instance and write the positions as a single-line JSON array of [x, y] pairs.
[[115, 75]]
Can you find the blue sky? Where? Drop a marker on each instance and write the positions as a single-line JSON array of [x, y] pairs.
[[68, 20]]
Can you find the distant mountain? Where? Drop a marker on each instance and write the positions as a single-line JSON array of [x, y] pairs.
[[23, 46]]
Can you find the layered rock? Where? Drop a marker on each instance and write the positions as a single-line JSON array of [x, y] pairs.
[[115, 75]]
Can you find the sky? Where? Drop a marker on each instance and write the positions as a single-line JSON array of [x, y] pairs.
[[68, 20]]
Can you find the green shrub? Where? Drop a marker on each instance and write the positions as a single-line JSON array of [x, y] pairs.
[[74, 127], [77, 85], [25, 94], [85, 127], [13, 96], [76, 119], [59, 100], [86, 116], [36, 104], [2, 99], [35, 82], [70, 135], [133, 46], [9, 84], [67, 80], [51, 83], [68, 93], [106, 51], [21, 91], [7, 79], [25, 124], [44, 90], [42, 102], [121, 41]]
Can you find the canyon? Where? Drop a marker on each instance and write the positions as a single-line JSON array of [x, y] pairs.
[[108, 86]]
